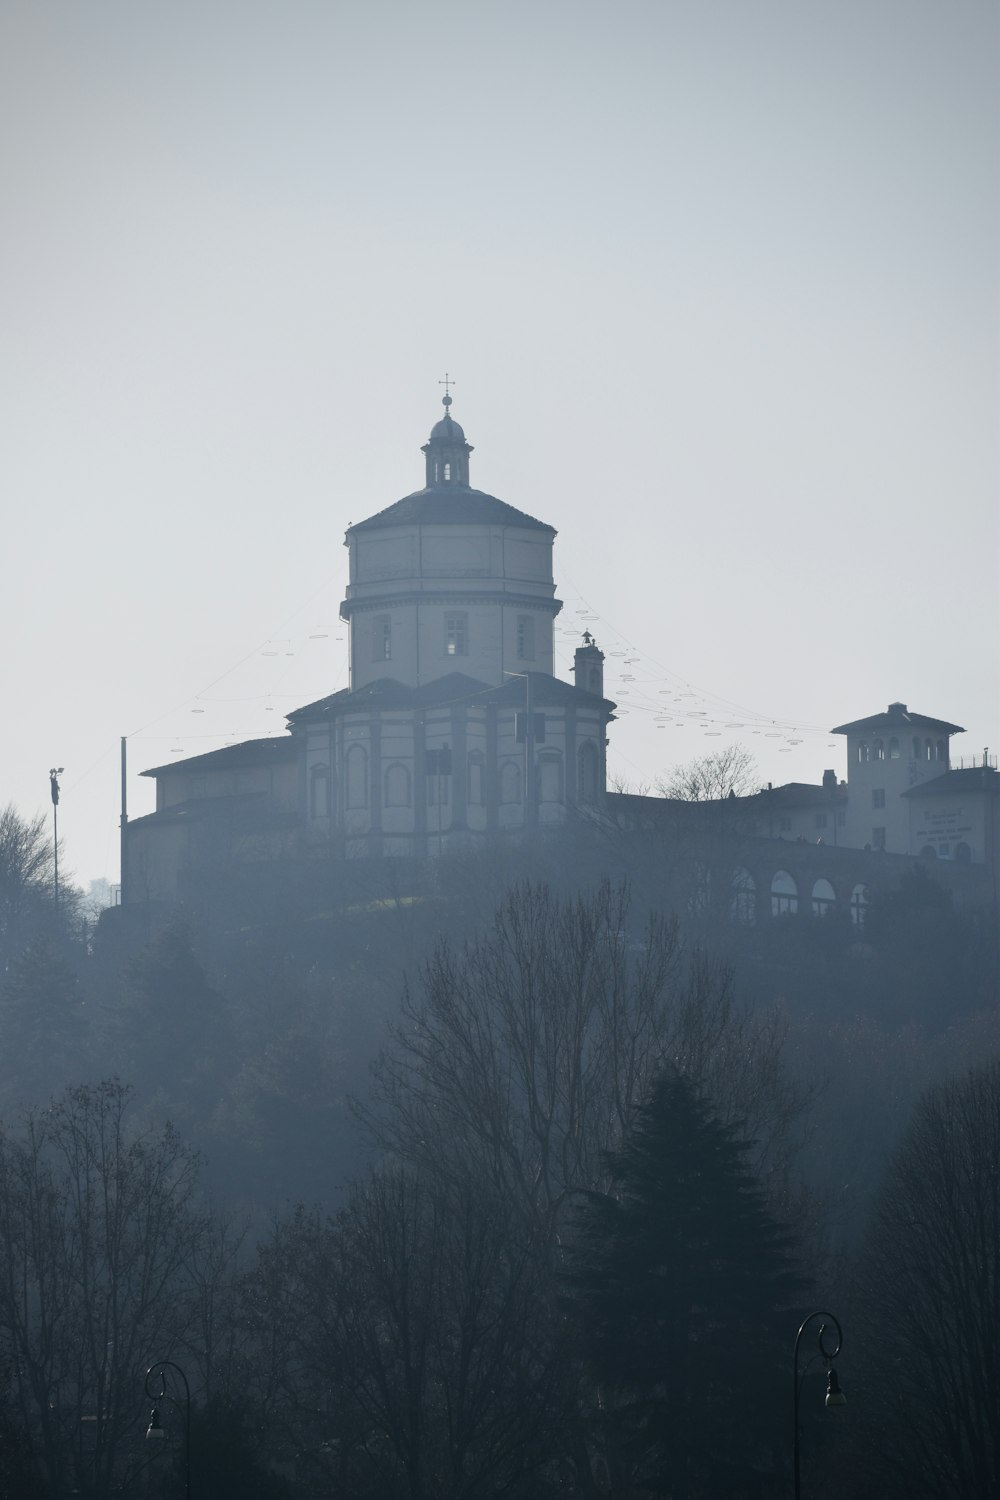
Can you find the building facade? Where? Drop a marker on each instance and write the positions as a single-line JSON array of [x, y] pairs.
[[453, 728]]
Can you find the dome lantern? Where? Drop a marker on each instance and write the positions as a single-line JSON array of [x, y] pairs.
[[446, 451]]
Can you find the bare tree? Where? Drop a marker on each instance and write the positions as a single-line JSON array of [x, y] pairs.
[[931, 1302], [525, 1056], [25, 878], [97, 1227], [731, 772]]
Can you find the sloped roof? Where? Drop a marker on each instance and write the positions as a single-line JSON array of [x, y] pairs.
[[455, 687], [796, 794], [249, 753], [450, 505], [897, 716]]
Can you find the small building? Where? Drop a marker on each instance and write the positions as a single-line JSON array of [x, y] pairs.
[[956, 816], [889, 754]]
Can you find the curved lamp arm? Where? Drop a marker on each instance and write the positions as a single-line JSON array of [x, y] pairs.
[[834, 1396], [156, 1390]]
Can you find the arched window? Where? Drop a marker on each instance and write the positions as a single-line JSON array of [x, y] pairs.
[[356, 775], [879, 748], [586, 773], [824, 898], [510, 781], [550, 787], [743, 907], [476, 795], [859, 904], [939, 750], [963, 854], [862, 750], [319, 792], [893, 749], [784, 895], [929, 749], [928, 852], [397, 785], [916, 749]]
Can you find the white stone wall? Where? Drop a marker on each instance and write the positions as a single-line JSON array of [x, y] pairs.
[[416, 577]]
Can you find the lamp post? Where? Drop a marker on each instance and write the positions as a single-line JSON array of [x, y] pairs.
[[834, 1395], [156, 1390], [54, 775]]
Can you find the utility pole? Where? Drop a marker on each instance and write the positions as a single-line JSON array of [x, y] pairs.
[[123, 856], [54, 775]]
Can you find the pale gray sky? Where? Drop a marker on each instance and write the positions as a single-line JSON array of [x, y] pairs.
[[718, 283]]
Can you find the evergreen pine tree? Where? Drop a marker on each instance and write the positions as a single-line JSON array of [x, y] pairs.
[[678, 1283]]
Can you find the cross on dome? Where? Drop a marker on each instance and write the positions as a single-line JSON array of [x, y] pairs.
[[447, 382]]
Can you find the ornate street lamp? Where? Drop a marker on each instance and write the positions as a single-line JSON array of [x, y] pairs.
[[834, 1395], [156, 1390]]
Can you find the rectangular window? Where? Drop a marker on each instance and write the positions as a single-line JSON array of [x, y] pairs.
[[525, 638], [382, 638], [878, 797], [842, 820], [821, 820], [456, 635], [878, 838]]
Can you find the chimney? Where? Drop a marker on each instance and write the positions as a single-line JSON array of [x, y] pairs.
[[830, 780]]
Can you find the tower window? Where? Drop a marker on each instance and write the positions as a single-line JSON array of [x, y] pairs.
[[878, 796], [447, 471], [456, 635], [382, 638], [525, 638]]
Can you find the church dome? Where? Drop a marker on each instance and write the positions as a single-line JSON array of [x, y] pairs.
[[447, 431]]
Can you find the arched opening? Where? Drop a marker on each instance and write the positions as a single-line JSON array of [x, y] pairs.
[[893, 749], [824, 898], [859, 906], [963, 854], [862, 750], [784, 895], [928, 852]]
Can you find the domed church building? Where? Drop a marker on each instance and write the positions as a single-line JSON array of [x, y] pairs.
[[453, 728]]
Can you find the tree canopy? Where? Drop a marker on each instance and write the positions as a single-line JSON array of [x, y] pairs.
[[678, 1281]]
